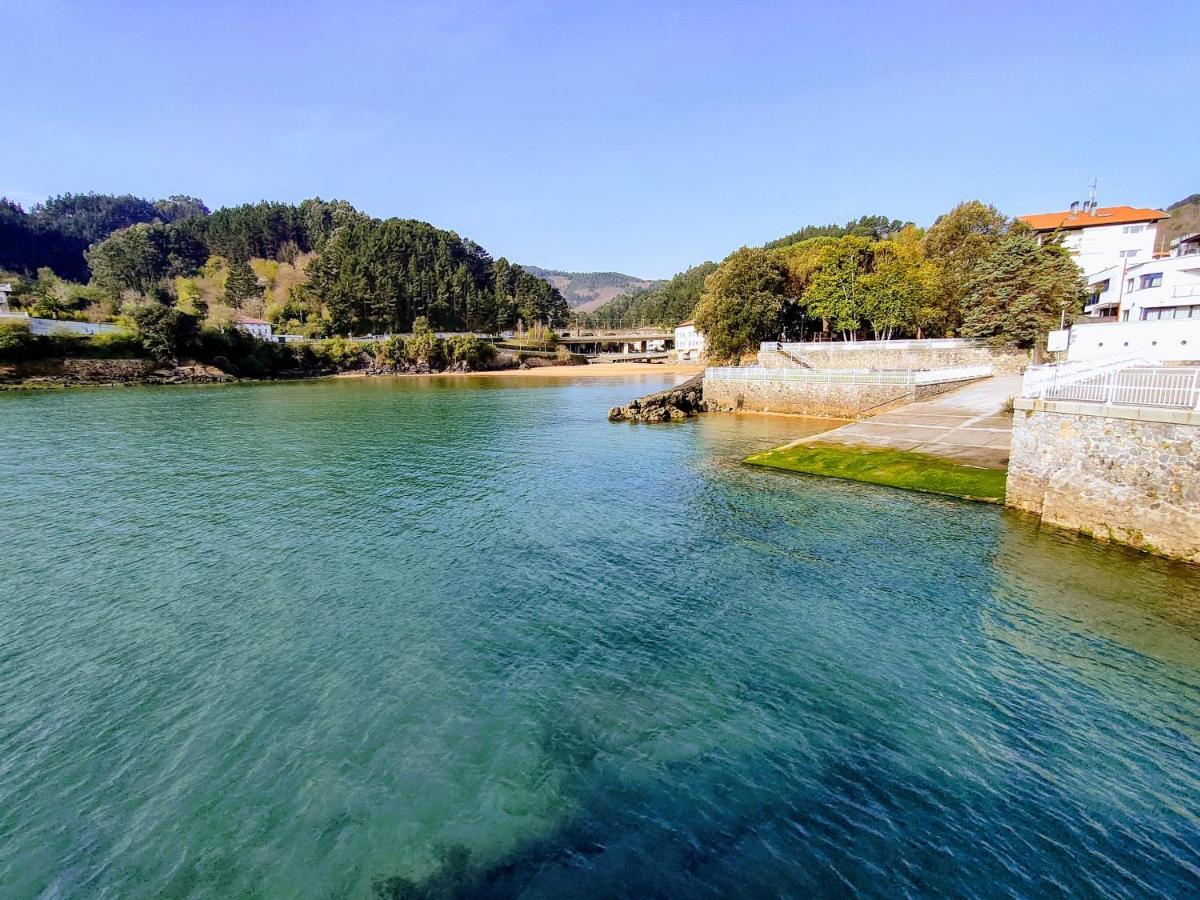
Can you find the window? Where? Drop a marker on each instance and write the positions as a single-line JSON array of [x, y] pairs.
[[1100, 287], [1171, 312], [1153, 280], [1128, 254], [1133, 229], [1129, 284]]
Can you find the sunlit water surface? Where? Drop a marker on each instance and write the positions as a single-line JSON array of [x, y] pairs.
[[411, 636]]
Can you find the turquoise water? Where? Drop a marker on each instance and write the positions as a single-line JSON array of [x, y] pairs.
[[422, 637]]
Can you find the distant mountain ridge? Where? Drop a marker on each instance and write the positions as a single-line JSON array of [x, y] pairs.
[[587, 291], [1185, 219]]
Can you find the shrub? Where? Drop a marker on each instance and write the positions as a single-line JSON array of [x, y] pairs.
[[342, 353], [112, 345], [424, 348], [472, 350], [16, 342], [390, 351]]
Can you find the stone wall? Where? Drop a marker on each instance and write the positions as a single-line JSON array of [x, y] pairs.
[[835, 401], [846, 356], [1124, 474]]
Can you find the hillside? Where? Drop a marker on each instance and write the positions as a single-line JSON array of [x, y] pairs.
[[586, 291], [1185, 219]]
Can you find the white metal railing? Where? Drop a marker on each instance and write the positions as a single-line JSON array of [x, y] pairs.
[[923, 344], [847, 376], [1039, 378], [1186, 290], [1170, 387]]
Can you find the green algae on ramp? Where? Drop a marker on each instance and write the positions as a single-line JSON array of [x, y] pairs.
[[891, 468]]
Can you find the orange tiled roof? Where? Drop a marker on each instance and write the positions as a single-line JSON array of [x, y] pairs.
[[247, 320], [1104, 215]]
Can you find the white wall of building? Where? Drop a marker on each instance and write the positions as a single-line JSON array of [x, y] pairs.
[[260, 330], [689, 343], [1158, 341], [1167, 288], [1099, 247]]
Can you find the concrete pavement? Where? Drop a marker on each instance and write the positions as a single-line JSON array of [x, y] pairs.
[[970, 425]]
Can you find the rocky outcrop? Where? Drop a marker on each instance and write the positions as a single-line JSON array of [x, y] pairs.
[[84, 372], [678, 402]]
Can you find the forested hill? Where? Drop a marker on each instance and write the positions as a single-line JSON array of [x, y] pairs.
[[586, 291], [318, 267], [667, 304], [1185, 219]]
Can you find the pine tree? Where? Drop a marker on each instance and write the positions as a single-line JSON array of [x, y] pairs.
[[241, 283]]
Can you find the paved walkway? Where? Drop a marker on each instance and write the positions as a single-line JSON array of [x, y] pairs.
[[970, 425]]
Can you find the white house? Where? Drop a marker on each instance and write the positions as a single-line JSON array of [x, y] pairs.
[[5, 293], [1102, 240], [1184, 245], [1165, 288], [689, 343], [256, 327]]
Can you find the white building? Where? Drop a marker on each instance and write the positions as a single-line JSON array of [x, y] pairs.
[[256, 327], [1102, 240], [1184, 245], [689, 343], [1165, 288], [5, 293]]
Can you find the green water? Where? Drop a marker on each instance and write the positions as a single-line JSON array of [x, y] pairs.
[[406, 637]]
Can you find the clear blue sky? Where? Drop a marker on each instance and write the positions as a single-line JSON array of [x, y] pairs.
[[636, 136]]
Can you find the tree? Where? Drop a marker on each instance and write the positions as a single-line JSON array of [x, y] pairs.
[[957, 243], [470, 350], [423, 348], [166, 333], [743, 302], [1021, 290], [836, 291], [899, 286], [140, 257], [241, 283]]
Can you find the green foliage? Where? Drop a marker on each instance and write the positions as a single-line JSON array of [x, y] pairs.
[[520, 298], [666, 305], [17, 344], [92, 217], [957, 244], [390, 351], [473, 351], [240, 283], [238, 353], [877, 228], [424, 348], [743, 302], [377, 277], [166, 333], [1020, 291], [142, 257], [343, 353], [835, 293], [16, 341]]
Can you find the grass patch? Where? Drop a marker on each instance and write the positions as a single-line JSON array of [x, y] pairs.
[[892, 468]]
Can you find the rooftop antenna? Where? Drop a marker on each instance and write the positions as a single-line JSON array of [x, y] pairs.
[[1092, 195]]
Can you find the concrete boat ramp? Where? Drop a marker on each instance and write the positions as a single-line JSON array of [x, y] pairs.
[[971, 425]]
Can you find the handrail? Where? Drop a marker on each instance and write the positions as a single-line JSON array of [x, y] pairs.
[[847, 376]]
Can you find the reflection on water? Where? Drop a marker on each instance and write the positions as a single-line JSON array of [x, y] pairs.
[[439, 636]]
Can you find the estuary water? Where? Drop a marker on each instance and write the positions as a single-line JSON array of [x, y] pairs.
[[412, 637]]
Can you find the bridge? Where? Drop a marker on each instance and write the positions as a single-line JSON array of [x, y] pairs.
[[620, 347]]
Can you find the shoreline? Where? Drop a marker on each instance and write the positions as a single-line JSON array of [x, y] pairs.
[[135, 373], [596, 370]]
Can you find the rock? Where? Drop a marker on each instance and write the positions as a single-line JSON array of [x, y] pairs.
[[671, 405]]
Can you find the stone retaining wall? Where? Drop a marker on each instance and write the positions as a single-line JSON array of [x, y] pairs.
[[845, 356], [1125, 474], [834, 401], [828, 401]]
